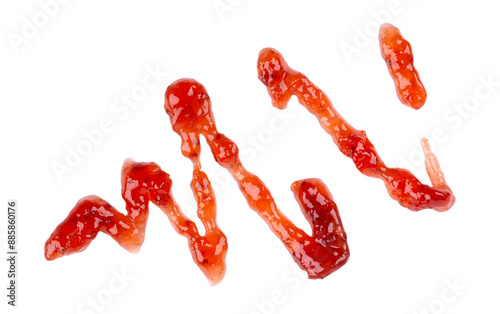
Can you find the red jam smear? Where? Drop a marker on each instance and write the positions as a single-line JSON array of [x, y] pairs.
[[143, 183], [283, 82], [189, 107], [398, 56]]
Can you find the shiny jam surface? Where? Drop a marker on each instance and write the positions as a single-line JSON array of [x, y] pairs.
[[398, 56], [283, 82], [143, 183], [189, 107]]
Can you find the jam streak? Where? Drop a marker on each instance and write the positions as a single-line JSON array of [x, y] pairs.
[[283, 82], [189, 108], [142, 183], [398, 56]]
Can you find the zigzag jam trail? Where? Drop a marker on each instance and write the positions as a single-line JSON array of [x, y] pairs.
[[142, 183], [189, 108], [283, 82]]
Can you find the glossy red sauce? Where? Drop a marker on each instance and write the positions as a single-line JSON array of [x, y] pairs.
[[143, 183], [189, 108], [398, 56], [283, 82]]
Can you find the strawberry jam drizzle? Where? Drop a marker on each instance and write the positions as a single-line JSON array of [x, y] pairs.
[[142, 183], [283, 82], [189, 108], [398, 56]]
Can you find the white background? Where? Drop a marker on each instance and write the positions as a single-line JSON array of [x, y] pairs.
[[63, 78]]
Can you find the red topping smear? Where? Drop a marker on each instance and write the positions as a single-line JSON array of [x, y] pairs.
[[142, 183], [283, 82], [189, 108], [398, 56]]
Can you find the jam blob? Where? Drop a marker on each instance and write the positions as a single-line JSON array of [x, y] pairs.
[[397, 54]]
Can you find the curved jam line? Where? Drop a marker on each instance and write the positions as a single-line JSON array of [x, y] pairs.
[[142, 183], [397, 54], [283, 82], [189, 107]]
